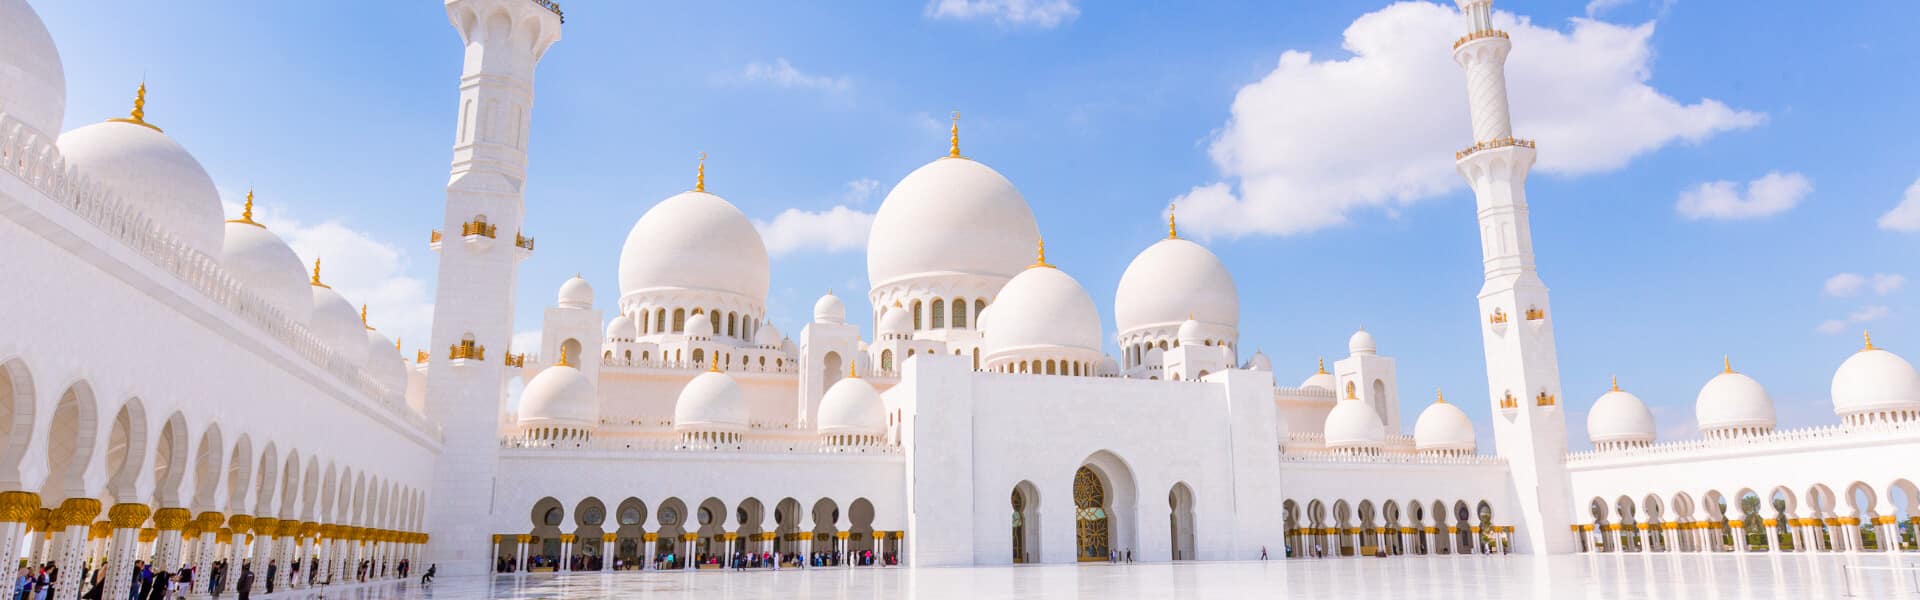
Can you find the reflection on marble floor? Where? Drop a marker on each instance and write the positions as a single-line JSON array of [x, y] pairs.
[[1649, 576]]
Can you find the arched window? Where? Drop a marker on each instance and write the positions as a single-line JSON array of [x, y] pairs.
[[960, 313], [976, 359], [939, 313], [886, 360], [916, 316], [714, 322], [679, 320], [699, 356], [1163, 344], [733, 325]]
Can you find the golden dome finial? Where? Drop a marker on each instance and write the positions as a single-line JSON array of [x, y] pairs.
[[713, 363], [1040, 258], [1173, 231], [953, 139], [700, 181], [396, 343], [564, 360], [246, 212], [1869, 337], [1439, 397], [139, 114], [853, 369], [316, 274], [1323, 366], [363, 318], [1616, 383], [1726, 360]]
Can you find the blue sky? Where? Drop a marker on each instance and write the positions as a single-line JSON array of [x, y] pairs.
[[1333, 206]]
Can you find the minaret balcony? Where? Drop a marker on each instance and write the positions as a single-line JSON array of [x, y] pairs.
[[524, 245], [1479, 35], [1492, 144], [433, 240], [464, 351]]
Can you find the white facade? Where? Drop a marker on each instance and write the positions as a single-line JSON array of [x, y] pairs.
[[983, 422]]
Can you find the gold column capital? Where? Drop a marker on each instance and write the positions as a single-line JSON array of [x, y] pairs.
[[309, 529], [287, 528], [265, 525], [100, 529], [18, 507], [127, 515], [148, 535], [171, 519], [608, 537], [240, 524], [76, 512], [522, 538]]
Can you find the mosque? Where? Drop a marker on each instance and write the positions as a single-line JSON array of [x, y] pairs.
[[986, 420]]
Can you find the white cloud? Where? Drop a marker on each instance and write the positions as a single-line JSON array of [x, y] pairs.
[[1905, 216], [783, 74], [1316, 140], [1845, 284], [1864, 314], [1595, 7], [833, 230], [859, 191], [1042, 14], [1769, 195], [1887, 283], [528, 342], [363, 269]]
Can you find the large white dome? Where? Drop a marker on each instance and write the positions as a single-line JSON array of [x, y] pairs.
[[1875, 380], [695, 240], [1619, 416], [1171, 281], [829, 309], [1733, 401], [33, 84], [1040, 308], [1353, 424], [264, 264], [852, 407], [337, 324], [385, 365], [575, 293], [560, 396], [711, 402], [953, 215], [1443, 426], [154, 175]]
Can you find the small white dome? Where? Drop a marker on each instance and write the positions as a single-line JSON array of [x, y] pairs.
[[1733, 401], [1042, 308], [699, 326], [1875, 380], [1189, 333], [1320, 379], [35, 84], [264, 264], [576, 293], [560, 396], [152, 174], [1107, 367], [852, 407], [711, 402], [953, 215], [622, 328], [337, 324], [1353, 424], [385, 365], [1619, 416], [829, 310], [1259, 362], [1443, 426], [695, 240], [895, 321], [1361, 343], [1172, 281], [767, 336]]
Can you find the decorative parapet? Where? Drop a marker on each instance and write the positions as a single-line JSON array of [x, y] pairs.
[[525, 243], [552, 6], [33, 158], [466, 349], [1491, 144], [748, 446], [514, 360], [1391, 459], [479, 228], [1788, 440], [1479, 35]]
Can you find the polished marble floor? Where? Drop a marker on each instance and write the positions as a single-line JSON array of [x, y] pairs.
[[1633, 576]]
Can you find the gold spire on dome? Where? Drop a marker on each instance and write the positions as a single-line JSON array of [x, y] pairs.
[[1173, 231], [713, 364], [1040, 258], [1869, 337], [396, 344], [363, 318], [564, 361], [1439, 397], [1323, 366], [316, 275], [1616, 383], [853, 370], [246, 213], [700, 181], [1727, 361], [139, 114], [953, 139]]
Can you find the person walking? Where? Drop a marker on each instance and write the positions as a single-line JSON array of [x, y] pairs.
[[244, 585]]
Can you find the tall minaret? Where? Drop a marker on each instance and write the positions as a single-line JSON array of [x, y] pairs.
[[1523, 374], [479, 258]]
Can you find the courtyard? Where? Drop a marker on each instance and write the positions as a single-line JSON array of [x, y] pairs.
[[1633, 576]]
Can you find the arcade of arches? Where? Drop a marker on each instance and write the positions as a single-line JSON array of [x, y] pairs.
[[1391, 528], [709, 534], [1778, 519]]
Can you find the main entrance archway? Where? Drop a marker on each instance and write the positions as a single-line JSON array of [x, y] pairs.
[[1106, 525], [1091, 516]]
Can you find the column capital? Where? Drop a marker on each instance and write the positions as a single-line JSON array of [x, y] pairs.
[[265, 526], [240, 524], [171, 519], [148, 535], [127, 515], [18, 507], [76, 512]]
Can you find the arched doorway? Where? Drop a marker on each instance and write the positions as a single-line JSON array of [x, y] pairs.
[[1026, 522], [1093, 529], [1180, 521], [628, 552]]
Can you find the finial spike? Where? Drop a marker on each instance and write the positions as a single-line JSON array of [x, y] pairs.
[[1727, 361], [316, 273], [853, 369], [396, 343], [700, 181], [1040, 254], [138, 116], [1439, 397], [1173, 231], [564, 360], [953, 140], [1869, 337], [1323, 366], [713, 363], [1616, 383], [363, 316], [246, 212]]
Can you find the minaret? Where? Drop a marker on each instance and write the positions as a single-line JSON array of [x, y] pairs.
[[1523, 374], [479, 258]]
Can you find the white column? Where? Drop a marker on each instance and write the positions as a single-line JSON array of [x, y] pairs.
[[203, 550], [124, 543], [75, 517]]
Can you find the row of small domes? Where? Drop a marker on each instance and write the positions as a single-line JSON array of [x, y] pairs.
[[712, 402]]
